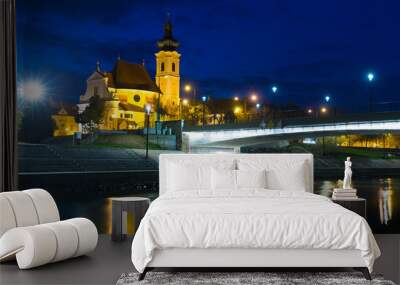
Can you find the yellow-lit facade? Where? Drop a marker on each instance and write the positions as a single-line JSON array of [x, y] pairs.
[[387, 140], [128, 88], [125, 110], [65, 124], [168, 80], [123, 107]]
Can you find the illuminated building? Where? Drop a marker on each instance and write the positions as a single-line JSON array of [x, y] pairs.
[[65, 124], [128, 87], [125, 90], [167, 71]]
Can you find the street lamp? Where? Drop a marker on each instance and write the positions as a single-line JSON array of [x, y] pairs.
[[190, 89], [147, 109], [204, 100], [236, 110], [32, 90], [309, 111], [236, 98], [184, 102], [324, 110], [274, 89], [253, 97], [370, 77], [327, 98], [258, 106]]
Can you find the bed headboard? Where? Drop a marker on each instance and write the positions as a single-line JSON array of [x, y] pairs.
[[209, 159]]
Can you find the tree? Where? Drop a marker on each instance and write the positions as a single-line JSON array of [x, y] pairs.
[[92, 117]]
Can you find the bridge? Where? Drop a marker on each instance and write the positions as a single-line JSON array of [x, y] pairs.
[[233, 136]]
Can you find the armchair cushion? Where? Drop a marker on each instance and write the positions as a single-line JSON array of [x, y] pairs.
[[31, 231], [41, 244]]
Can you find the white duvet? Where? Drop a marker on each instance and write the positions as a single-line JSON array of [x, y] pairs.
[[250, 219]]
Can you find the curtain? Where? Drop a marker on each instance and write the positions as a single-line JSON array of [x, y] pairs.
[[8, 100]]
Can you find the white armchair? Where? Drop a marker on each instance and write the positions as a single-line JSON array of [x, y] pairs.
[[31, 230]]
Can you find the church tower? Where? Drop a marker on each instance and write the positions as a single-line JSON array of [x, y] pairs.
[[167, 74]]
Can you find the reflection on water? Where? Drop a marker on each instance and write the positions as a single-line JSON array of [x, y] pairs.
[[382, 194], [385, 197], [383, 200]]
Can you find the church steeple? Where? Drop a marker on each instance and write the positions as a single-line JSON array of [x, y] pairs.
[[167, 71], [168, 43], [98, 65]]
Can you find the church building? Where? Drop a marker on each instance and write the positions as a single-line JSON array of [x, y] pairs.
[[128, 88]]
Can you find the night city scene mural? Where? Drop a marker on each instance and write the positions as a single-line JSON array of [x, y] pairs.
[[104, 88]]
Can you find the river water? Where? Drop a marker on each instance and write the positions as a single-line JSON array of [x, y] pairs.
[[382, 194]]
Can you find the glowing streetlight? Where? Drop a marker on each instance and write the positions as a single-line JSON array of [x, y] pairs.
[[147, 109], [309, 111], [274, 89], [324, 110], [204, 99], [190, 90], [258, 105], [370, 77], [327, 98], [32, 90], [185, 103], [253, 97], [236, 98]]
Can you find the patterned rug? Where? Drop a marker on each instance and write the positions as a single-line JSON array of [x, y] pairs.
[[243, 278]]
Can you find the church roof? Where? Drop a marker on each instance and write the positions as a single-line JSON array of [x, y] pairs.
[[65, 109], [131, 76], [168, 43]]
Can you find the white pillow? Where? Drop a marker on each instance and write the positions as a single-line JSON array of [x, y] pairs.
[[290, 177], [251, 178], [281, 174], [223, 179], [184, 178]]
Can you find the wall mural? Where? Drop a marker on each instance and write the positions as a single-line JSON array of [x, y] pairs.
[[99, 85]]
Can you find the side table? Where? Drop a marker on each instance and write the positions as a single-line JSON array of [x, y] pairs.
[[357, 205], [121, 208]]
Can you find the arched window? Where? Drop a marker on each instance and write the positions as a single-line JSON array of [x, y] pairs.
[[173, 66], [162, 66]]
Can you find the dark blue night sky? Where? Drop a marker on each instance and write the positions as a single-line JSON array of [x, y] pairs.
[[307, 48]]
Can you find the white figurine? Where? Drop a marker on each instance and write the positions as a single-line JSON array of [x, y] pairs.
[[347, 174]]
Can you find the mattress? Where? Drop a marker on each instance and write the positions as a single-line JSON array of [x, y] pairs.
[[250, 219]]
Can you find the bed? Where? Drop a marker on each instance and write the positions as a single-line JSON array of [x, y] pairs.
[[247, 211]]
